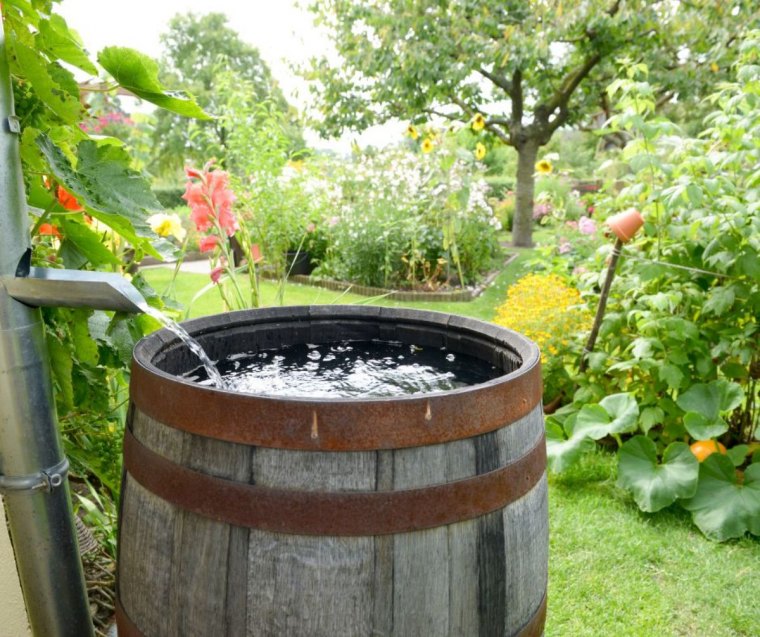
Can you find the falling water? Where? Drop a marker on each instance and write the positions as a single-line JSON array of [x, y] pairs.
[[212, 373]]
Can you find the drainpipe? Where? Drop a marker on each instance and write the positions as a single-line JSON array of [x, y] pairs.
[[32, 466]]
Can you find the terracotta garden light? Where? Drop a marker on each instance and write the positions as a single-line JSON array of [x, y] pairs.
[[624, 225]]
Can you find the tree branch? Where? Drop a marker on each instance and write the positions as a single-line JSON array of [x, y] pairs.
[[499, 80]]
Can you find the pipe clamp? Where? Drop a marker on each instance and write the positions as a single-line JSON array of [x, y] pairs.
[[45, 480]]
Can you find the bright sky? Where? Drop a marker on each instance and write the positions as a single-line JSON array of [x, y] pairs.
[[283, 32]]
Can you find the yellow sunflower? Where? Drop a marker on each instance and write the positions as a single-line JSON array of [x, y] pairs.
[[544, 167], [478, 123], [480, 151], [427, 145], [412, 131]]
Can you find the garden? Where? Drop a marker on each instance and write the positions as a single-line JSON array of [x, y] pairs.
[[501, 198]]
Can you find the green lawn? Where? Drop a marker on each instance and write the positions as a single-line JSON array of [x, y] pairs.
[[613, 570]]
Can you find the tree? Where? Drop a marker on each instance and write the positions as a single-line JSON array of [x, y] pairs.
[[528, 68], [197, 50]]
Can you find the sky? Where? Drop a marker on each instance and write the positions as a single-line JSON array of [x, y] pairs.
[[283, 32]]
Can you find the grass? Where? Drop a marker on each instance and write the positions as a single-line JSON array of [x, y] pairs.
[[613, 570]]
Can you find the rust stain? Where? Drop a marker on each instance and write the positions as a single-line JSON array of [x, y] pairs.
[[314, 426]]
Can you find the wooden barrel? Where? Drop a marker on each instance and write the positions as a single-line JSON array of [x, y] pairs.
[[416, 516]]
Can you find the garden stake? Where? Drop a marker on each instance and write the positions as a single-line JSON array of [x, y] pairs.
[[602, 304]]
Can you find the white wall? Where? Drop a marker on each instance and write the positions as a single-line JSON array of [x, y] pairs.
[[13, 622]]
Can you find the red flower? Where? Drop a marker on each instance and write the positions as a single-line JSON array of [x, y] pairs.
[[216, 273], [48, 229], [207, 244], [67, 200]]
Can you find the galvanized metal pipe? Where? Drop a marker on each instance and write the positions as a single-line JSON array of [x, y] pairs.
[[40, 518]]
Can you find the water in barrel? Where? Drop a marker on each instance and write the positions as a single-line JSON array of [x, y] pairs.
[[350, 369]]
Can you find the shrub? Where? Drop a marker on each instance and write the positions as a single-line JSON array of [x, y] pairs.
[[169, 197]]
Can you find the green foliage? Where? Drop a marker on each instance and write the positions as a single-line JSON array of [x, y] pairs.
[[654, 485], [548, 61], [139, 74], [201, 51], [681, 334]]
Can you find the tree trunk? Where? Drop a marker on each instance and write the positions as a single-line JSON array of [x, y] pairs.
[[522, 224]]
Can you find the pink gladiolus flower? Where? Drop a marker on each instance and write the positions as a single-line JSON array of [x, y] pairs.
[[210, 199], [216, 273], [586, 225], [207, 244]]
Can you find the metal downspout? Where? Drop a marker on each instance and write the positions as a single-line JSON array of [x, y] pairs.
[[32, 465]]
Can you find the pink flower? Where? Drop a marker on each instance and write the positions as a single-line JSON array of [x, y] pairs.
[[579, 269], [207, 244], [311, 228], [573, 225], [541, 210], [565, 247], [256, 253], [216, 273], [333, 221], [586, 225], [210, 199]]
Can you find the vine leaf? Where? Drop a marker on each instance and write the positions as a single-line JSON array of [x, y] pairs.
[[139, 74], [58, 40], [655, 486], [722, 508], [113, 192], [562, 452]]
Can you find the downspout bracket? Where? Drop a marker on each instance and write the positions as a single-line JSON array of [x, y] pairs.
[[45, 480]]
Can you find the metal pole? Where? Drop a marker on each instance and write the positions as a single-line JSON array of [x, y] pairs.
[[32, 465]]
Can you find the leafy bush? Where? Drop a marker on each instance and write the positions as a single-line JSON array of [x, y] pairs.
[[677, 360]]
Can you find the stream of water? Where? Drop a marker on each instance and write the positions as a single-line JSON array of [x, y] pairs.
[[212, 373]]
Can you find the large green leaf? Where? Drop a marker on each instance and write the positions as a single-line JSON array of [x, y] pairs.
[[57, 39], [722, 508], [54, 86], [113, 192], [704, 403], [615, 414], [139, 74], [563, 452], [655, 486]]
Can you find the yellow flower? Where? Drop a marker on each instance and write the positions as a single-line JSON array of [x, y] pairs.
[[167, 225], [714, 67], [544, 167], [412, 131], [478, 123], [480, 151], [296, 164], [427, 145]]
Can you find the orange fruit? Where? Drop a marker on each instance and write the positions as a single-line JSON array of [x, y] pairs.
[[703, 448]]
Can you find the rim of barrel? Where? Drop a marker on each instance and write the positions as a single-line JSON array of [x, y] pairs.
[[341, 423]]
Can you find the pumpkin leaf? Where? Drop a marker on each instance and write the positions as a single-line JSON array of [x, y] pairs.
[[562, 452], [657, 485], [615, 414], [722, 508], [139, 74]]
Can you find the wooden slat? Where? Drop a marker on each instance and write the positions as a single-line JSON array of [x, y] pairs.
[[382, 585], [311, 585], [420, 576]]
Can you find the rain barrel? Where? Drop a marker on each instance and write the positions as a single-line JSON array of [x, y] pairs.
[[413, 516]]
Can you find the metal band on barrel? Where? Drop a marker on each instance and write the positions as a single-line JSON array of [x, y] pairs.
[[340, 425], [332, 513]]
